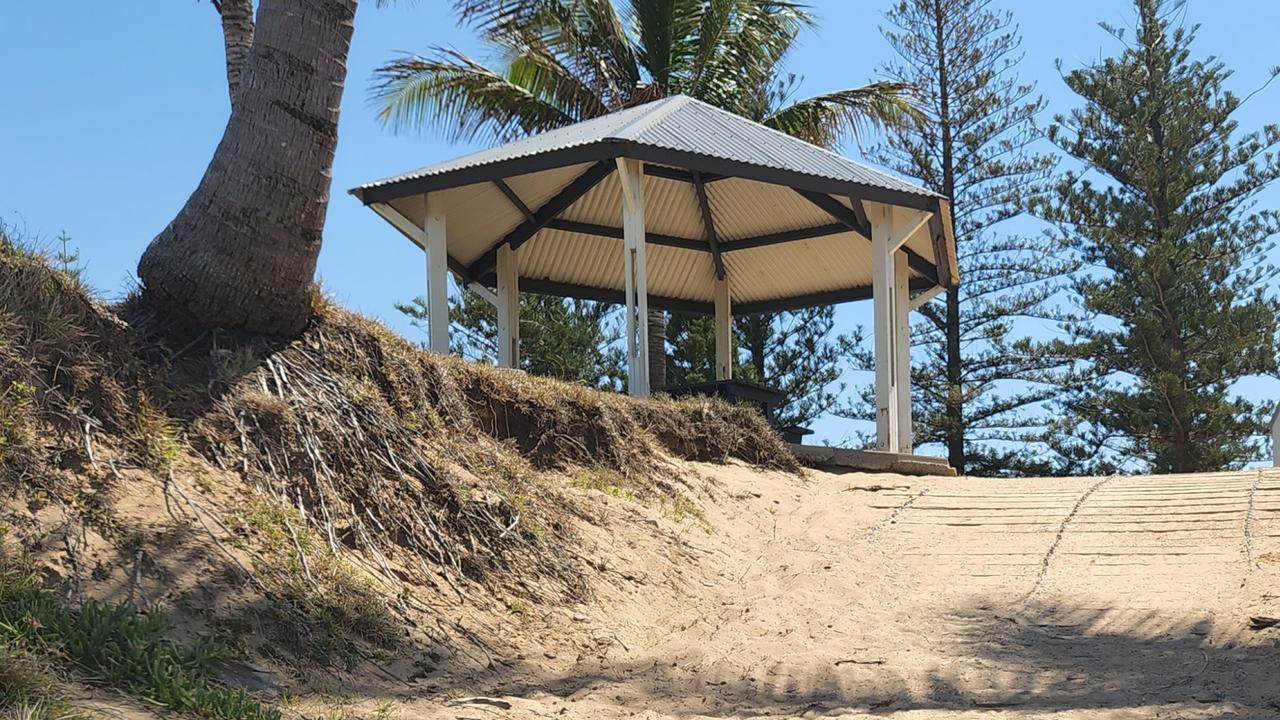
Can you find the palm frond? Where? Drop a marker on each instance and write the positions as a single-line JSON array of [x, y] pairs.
[[585, 37], [664, 31], [459, 96], [569, 60], [593, 41], [617, 69], [830, 119], [741, 46], [544, 75], [714, 27], [487, 15]]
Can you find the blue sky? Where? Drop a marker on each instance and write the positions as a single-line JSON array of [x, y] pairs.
[[111, 115]]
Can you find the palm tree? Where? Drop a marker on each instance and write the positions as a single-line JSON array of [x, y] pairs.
[[242, 252], [237, 39], [564, 61]]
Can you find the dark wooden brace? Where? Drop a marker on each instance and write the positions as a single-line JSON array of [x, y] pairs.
[[725, 246], [580, 186], [708, 224], [515, 200], [585, 228], [848, 218], [855, 218], [688, 176]]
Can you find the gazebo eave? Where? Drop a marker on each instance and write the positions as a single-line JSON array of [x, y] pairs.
[[682, 166], [668, 159]]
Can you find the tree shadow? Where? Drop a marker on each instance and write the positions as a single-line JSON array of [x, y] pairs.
[[1049, 658]]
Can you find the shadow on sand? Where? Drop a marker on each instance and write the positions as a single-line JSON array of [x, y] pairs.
[[1051, 658]]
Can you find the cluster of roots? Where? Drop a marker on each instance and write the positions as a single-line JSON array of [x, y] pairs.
[[432, 470]]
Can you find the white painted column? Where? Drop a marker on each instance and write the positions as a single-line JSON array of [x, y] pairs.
[[419, 236], [1275, 438], [508, 308], [902, 351], [437, 275], [890, 229], [885, 319], [631, 176], [724, 331]]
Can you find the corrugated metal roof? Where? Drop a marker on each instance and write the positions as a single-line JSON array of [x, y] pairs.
[[743, 209], [591, 261], [788, 248], [835, 262], [670, 207], [681, 124]]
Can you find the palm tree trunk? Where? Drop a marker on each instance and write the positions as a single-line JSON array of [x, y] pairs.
[[657, 337], [242, 252], [237, 39]]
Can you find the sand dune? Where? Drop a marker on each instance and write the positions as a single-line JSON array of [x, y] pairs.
[[882, 596]]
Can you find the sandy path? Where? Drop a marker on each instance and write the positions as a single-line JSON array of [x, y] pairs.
[[864, 595]]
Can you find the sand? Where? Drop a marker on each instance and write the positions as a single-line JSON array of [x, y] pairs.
[[883, 596], [851, 596]]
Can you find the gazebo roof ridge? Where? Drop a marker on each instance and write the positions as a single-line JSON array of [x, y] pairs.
[[664, 132]]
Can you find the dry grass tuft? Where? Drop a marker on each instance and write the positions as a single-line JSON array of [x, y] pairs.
[[29, 687], [67, 364], [711, 430], [559, 425]]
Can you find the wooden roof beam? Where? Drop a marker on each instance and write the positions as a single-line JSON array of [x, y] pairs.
[[856, 219], [571, 193], [708, 223]]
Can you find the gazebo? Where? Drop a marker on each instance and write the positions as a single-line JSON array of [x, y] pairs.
[[678, 205]]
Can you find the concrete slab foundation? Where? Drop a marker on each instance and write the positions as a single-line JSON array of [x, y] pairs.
[[847, 460]]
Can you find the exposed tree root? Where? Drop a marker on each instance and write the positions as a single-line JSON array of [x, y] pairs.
[[421, 470]]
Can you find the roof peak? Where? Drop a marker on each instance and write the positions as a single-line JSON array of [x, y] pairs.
[[677, 127], [654, 112]]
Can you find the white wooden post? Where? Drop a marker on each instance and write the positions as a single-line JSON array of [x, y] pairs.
[[1275, 438], [902, 351], [891, 292], [883, 289], [437, 275], [631, 176], [724, 331], [508, 308]]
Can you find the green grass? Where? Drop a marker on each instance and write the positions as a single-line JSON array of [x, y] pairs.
[[17, 426], [605, 481], [682, 508], [157, 438], [113, 644]]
